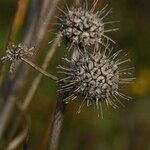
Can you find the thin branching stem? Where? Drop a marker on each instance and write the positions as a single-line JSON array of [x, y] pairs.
[[39, 69], [36, 81]]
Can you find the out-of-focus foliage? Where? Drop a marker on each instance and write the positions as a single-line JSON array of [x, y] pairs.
[[123, 129]]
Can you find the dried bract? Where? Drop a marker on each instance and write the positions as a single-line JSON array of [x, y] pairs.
[[15, 52]]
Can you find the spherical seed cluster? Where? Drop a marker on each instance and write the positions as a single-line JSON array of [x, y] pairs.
[[94, 76], [83, 27], [97, 76], [15, 53]]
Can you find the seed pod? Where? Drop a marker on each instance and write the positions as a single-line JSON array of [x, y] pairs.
[[84, 27], [97, 76]]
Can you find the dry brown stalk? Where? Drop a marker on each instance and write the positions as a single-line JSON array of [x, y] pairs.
[[58, 118]]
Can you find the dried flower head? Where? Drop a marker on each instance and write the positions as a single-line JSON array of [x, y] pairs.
[[84, 27], [15, 52], [97, 76]]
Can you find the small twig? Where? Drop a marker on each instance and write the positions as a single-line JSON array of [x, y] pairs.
[[39, 69]]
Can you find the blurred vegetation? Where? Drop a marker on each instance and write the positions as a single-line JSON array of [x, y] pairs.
[[124, 129]]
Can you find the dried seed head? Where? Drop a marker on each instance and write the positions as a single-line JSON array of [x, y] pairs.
[[15, 52], [97, 76], [86, 28]]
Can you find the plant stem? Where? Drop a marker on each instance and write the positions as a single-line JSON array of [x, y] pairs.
[[58, 121], [58, 117], [36, 81], [39, 69]]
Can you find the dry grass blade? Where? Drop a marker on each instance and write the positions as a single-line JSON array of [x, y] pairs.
[[23, 136], [46, 17]]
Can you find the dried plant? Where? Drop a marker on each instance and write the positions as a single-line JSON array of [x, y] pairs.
[[84, 27], [97, 76], [95, 71], [19, 53], [15, 53]]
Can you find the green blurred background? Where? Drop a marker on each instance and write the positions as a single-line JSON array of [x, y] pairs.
[[123, 129]]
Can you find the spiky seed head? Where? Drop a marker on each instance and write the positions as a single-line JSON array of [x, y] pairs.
[[83, 27], [97, 76], [15, 52]]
